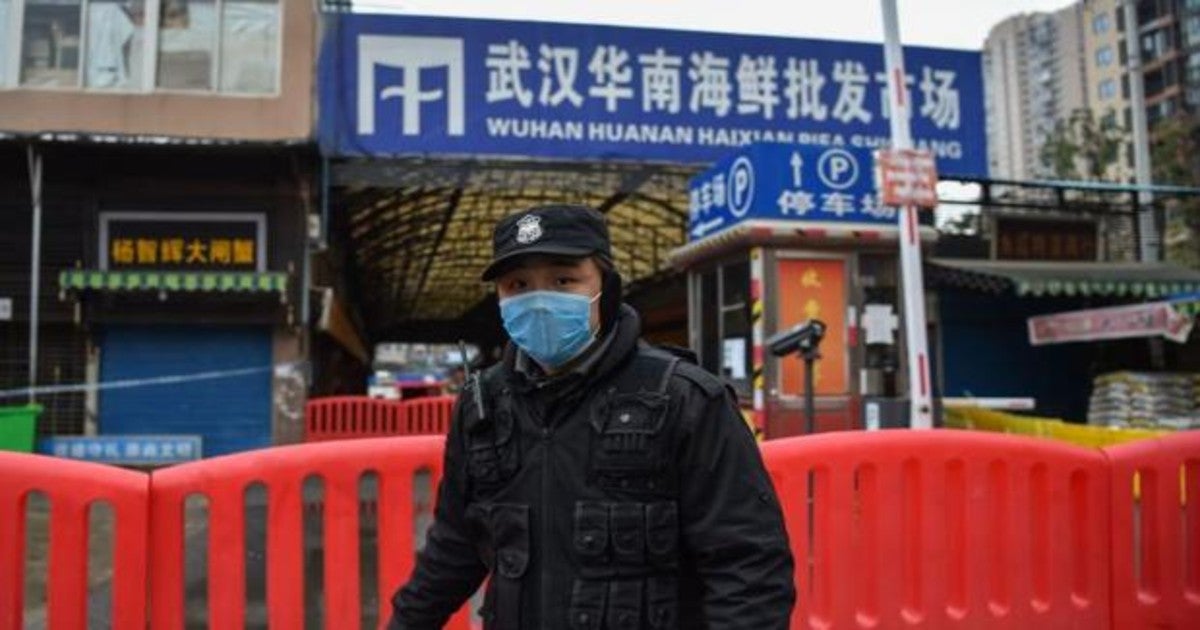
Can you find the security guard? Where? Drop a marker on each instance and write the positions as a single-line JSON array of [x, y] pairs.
[[600, 482]]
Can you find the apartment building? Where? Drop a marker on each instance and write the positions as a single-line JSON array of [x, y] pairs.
[[1033, 76]]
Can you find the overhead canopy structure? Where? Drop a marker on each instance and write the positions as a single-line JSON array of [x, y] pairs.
[[1100, 279], [419, 230]]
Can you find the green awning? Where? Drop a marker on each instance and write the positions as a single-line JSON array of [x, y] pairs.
[[173, 281], [1145, 281]]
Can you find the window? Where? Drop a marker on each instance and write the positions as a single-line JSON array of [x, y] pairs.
[[4, 22], [1107, 89], [1155, 45], [724, 304], [231, 45], [1191, 31], [1100, 23], [227, 46], [1104, 56], [1193, 69], [249, 46], [115, 44], [50, 43]]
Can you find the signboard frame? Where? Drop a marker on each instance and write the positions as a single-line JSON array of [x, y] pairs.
[[108, 217]]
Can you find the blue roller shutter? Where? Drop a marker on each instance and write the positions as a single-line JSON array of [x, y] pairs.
[[232, 413]]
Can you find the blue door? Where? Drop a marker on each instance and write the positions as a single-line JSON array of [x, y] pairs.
[[224, 393]]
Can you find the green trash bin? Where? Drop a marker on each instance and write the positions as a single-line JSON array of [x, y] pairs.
[[18, 426]]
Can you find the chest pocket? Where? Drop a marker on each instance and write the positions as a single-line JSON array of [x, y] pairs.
[[629, 442], [493, 450], [627, 433]]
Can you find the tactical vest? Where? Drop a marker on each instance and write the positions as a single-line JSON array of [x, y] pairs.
[[627, 550]]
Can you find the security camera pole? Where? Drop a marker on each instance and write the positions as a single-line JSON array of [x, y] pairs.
[[912, 285]]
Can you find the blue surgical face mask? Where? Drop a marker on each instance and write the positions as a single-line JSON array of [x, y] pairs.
[[550, 326]]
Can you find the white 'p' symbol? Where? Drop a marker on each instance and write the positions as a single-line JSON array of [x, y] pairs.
[[741, 182], [838, 169]]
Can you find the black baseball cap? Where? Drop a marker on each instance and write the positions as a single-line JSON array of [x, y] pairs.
[[556, 230]]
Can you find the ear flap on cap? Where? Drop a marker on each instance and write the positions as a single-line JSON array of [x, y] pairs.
[[610, 300]]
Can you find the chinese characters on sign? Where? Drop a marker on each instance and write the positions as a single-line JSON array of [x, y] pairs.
[[745, 85], [1035, 239], [129, 450], [779, 181], [443, 85], [1119, 322], [216, 245], [906, 177]]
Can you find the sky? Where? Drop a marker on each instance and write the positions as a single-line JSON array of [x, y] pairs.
[[942, 23]]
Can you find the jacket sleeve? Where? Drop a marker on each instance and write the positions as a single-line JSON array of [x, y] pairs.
[[732, 526], [448, 569]]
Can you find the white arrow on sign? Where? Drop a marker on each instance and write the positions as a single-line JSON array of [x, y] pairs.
[[708, 226], [797, 177]]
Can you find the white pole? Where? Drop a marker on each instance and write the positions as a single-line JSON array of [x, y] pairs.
[[35, 264], [911, 283], [1148, 244]]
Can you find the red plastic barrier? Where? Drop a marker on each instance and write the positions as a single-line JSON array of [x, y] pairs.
[[339, 418], [283, 470], [945, 530], [1156, 532], [430, 415], [72, 487]]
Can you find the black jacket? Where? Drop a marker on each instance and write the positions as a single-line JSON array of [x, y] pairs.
[[628, 493]]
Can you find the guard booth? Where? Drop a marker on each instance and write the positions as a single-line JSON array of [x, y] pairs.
[[780, 234]]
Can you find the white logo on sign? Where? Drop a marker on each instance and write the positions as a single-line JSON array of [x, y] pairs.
[[410, 55], [838, 169], [740, 186], [529, 229]]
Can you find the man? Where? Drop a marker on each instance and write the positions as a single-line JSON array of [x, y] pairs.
[[601, 483]]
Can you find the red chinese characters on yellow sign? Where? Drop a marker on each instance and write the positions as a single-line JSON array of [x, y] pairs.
[[815, 289]]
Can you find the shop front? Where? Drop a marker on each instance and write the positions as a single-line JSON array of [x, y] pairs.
[[1059, 332], [190, 301]]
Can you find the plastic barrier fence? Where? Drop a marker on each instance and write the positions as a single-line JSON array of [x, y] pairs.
[[1156, 536], [1078, 434], [344, 417], [944, 529], [890, 529], [341, 467], [72, 488]]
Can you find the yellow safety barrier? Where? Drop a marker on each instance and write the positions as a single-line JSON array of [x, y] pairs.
[[1084, 435], [1053, 428]]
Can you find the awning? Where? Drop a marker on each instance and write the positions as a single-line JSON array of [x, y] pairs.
[[173, 281], [1053, 279]]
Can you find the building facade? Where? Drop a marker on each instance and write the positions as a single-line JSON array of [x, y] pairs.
[[171, 141], [1033, 76]]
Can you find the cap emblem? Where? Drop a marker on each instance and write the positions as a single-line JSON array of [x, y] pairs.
[[529, 229]]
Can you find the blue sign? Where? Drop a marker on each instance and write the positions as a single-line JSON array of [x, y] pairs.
[[128, 450], [409, 85], [786, 182]]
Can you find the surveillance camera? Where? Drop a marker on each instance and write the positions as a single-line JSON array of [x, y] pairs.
[[803, 336]]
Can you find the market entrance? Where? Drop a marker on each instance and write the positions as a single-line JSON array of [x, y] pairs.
[[408, 238]]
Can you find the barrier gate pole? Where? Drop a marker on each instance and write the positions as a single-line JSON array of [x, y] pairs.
[[911, 284]]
